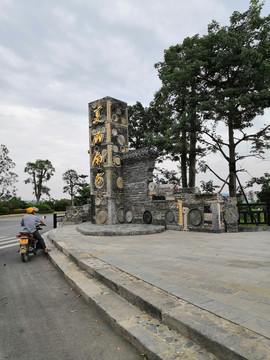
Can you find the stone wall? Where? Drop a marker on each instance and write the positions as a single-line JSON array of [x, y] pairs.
[[144, 202], [179, 209], [77, 214], [138, 169]]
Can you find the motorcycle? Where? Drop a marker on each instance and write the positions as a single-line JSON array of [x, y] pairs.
[[28, 244]]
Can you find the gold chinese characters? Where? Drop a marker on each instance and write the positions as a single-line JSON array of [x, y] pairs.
[[97, 115], [98, 159], [98, 137], [99, 179]]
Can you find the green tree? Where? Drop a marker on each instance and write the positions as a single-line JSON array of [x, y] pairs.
[[7, 176], [165, 176], [264, 194], [83, 195], [58, 205], [17, 203], [144, 129], [208, 187], [178, 99], [40, 172], [237, 78], [140, 126], [220, 78], [74, 183]]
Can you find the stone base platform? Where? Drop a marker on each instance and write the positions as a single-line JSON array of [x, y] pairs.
[[87, 228]]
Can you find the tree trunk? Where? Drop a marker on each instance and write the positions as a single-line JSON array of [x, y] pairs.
[[183, 158], [232, 162], [192, 151], [72, 199], [192, 170], [37, 194]]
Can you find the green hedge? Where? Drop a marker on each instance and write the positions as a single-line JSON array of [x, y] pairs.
[[43, 208], [4, 210]]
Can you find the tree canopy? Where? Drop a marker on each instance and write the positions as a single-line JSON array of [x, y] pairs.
[[216, 81], [237, 78], [140, 126], [74, 182], [264, 194], [7, 176], [40, 171]]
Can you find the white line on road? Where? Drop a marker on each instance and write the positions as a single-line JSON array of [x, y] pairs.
[[7, 238], [9, 242], [7, 246]]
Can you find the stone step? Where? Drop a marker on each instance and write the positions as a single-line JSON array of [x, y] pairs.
[[212, 333], [148, 335]]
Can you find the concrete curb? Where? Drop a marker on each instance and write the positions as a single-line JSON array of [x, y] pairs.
[[214, 334]]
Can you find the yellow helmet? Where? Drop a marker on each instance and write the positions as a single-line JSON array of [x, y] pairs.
[[30, 210]]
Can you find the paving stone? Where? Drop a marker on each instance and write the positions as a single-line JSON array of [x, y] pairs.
[[226, 274], [258, 325]]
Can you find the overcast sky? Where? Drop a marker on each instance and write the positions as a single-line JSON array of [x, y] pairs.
[[56, 56]]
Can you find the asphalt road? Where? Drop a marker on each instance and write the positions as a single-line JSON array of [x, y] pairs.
[[42, 317]]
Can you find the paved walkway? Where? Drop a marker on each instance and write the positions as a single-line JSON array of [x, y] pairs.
[[227, 274]]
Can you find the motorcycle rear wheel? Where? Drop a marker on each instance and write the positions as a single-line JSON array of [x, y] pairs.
[[25, 256]]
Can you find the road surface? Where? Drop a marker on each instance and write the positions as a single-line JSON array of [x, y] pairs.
[[42, 317]]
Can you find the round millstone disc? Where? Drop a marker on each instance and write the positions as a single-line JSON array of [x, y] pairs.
[[147, 217], [119, 183], [117, 160], [121, 139], [120, 215], [129, 216], [102, 217], [170, 217], [151, 186], [195, 217]]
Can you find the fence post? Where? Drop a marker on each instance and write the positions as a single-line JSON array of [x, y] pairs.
[[54, 221], [268, 211]]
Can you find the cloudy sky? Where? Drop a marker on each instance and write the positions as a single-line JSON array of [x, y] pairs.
[[56, 56]]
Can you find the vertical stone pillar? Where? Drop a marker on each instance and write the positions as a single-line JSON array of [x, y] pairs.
[[216, 224], [185, 212], [108, 140], [180, 207]]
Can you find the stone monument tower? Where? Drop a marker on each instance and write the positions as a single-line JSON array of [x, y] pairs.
[[108, 139]]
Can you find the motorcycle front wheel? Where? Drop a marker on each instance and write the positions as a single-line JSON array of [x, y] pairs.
[[25, 255]]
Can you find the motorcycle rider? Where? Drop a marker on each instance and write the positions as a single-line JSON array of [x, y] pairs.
[[29, 222]]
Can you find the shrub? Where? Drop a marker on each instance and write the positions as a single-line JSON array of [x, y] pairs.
[[16, 203], [19, 211], [43, 208], [60, 205], [4, 210]]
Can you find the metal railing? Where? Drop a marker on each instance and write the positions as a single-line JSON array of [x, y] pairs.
[[254, 214]]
